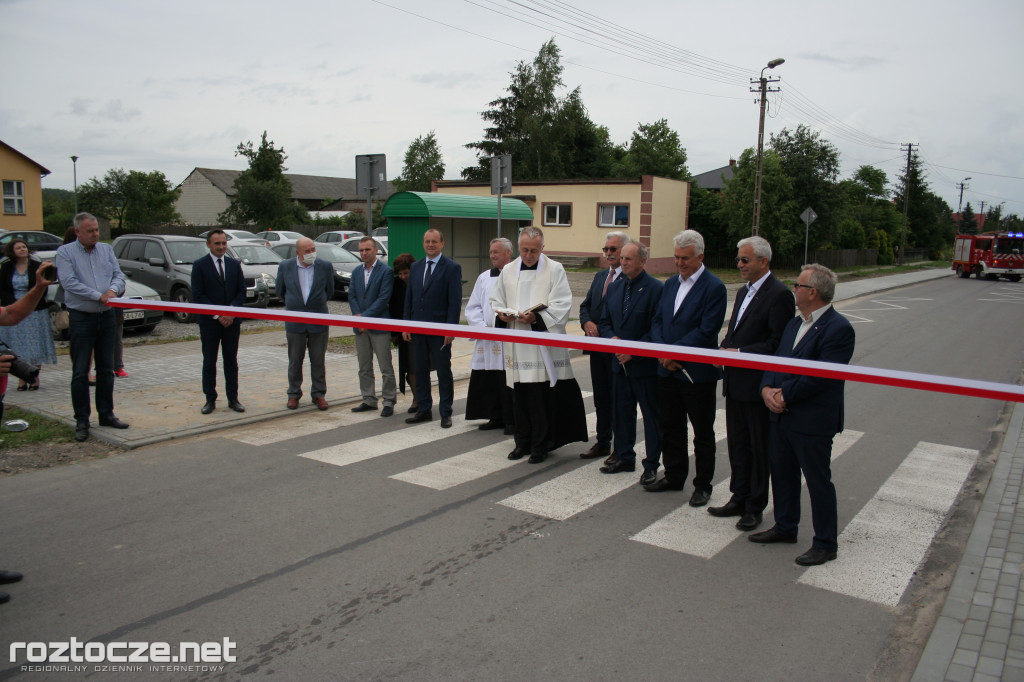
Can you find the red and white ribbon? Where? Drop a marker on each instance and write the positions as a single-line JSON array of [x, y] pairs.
[[868, 375]]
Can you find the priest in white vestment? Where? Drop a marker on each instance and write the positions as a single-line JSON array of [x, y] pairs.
[[532, 293]]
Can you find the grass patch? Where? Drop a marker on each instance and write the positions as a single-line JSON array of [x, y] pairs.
[[341, 342], [40, 429]]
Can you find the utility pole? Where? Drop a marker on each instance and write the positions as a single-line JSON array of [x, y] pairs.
[[763, 90], [963, 183], [906, 199]]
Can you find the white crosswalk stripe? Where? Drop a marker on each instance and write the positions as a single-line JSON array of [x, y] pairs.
[[885, 542], [694, 531]]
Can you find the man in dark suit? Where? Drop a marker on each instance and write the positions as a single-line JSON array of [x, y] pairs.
[[368, 296], [601, 364], [806, 414], [629, 309], [691, 313], [305, 284], [761, 311], [218, 280], [434, 294]]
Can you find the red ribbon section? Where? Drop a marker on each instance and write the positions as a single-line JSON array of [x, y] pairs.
[[828, 370]]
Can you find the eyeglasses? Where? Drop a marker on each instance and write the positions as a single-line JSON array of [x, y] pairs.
[[743, 259], [803, 286], [610, 249]]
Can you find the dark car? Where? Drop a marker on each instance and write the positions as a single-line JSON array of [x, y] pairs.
[[164, 262], [36, 240], [343, 261]]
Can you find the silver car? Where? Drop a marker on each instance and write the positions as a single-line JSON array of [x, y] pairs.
[[258, 262], [343, 261]]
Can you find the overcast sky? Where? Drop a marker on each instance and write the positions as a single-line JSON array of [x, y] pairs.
[[171, 86]]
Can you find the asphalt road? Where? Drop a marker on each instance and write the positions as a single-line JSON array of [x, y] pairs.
[[414, 553]]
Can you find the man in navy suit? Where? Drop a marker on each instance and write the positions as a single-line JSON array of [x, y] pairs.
[[434, 294], [761, 311], [368, 296], [629, 309], [806, 414], [601, 364], [691, 313], [305, 284], [218, 280]]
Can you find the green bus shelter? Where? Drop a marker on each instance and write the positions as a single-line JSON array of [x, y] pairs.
[[468, 224]]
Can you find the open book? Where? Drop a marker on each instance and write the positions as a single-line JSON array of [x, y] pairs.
[[519, 313]]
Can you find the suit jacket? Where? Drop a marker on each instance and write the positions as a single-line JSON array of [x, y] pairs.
[[593, 304], [320, 292], [209, 289], [758, 331], [7, 269], [441, 299], [813, 405], [634, 325], [696, 323], [372, 299]]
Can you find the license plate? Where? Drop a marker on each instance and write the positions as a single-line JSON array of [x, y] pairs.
[[134, 315]]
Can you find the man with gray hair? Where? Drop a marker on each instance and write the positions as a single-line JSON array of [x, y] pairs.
[[762, 309], [806, 414], [601, 364], [489, 398]]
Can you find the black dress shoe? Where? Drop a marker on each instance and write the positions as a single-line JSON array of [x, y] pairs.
[[816, 556], [236, 406], [518, 453], [363, 407], [649, 476], [772, 536], [4, 597], [699, 498], [446, 422], [748, 522], [618, 466], [419, 417], [113, 422], [7, 577], [413, 410], [730, 508], [538, 457], [611, 459], [490, 426], [207, 408], [387, 411], [662, 485], [81, 431], [597, 451]]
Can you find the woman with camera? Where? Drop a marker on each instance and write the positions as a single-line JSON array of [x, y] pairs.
[[32, 338]]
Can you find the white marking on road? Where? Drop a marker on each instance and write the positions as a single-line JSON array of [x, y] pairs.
[[694, 531], [886, 541]]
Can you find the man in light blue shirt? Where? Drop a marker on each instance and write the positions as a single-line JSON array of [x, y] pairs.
[[90, 276]]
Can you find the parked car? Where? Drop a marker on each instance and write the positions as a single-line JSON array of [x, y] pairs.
[[379, 232], [274, 238], [36, 240], [164, 262], [242, 235], [352, 245], [258, 262], [343, 261], [142, 320], [335, 236]]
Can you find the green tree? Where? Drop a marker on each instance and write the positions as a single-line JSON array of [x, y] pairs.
[[812, 165], [780, 214], [423, 163], [865, 209], [968, 223], [130, 199], [58, 210], [705, 217], [929, 218], [263, 195], [655, 150]]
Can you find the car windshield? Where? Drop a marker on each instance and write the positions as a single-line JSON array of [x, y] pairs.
[[186, 253], [256, 255], [242, 234], [335, 254], [1009, 245]]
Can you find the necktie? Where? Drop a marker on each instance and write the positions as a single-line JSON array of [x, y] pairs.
[[220, 268], [607, 282], [430, 271], [627, 297]]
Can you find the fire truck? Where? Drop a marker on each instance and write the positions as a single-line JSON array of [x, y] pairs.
[[990, 255]]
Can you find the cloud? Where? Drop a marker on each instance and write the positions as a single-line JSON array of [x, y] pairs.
[[116, 111], [446, 79], [846, 63], [80, 106]]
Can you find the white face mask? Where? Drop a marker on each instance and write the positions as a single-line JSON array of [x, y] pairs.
[[309, 258]]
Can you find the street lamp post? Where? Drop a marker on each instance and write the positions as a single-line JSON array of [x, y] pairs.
[[74, 163], [760, 146]]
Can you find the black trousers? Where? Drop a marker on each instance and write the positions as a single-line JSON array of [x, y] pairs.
[[214, 336], [427, 348], [749, 430], [682, 402], [92, 335], [601, 384], [793, 454]]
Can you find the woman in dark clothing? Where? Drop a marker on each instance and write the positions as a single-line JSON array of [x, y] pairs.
[[32, 338], [396, 307]]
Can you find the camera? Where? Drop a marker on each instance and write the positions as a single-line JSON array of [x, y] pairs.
[[49, 273], [19, 368]]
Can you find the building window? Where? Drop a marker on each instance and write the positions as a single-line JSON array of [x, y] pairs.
[[14, 196], [613, 215], [558, 214]]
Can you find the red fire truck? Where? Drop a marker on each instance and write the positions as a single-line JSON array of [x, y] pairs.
[[990, 255]]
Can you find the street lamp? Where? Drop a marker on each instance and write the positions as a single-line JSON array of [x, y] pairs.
[[760, 145], [74, 163], [960, 209]]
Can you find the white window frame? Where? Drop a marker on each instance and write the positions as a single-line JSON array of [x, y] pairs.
[[558, 206], [614, 208], [14, 197]]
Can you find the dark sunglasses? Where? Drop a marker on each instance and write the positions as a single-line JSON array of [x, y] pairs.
[[802, 286], [610, 249]]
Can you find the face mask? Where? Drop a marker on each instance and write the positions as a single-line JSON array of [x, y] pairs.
[[309, 258]]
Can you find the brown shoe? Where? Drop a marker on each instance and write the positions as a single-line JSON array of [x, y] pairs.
[[293, 403], [597, 451], [320, 402]]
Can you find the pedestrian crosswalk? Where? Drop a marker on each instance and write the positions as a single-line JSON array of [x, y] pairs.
[[879, 550]]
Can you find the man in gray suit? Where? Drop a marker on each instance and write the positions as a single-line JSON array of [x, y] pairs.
[[305, 284], [368, 296]]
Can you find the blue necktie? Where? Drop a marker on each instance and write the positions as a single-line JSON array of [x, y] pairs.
[[627, 297]]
